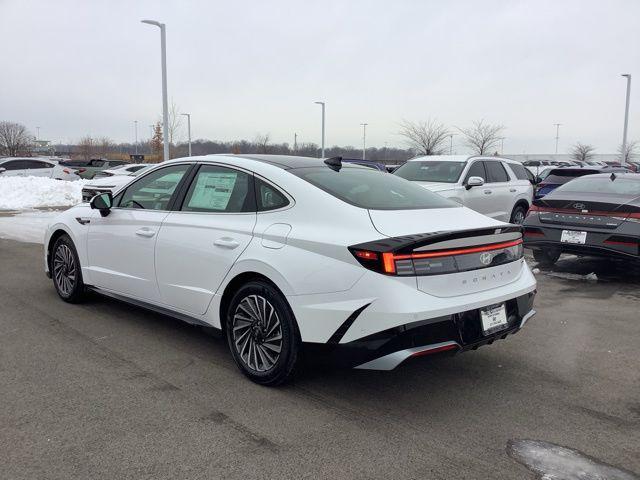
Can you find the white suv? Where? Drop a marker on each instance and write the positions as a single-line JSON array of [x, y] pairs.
[[497, 187]]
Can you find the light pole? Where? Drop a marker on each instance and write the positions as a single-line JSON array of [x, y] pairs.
[[558, 125], [135, 128], [623, 158], [38, 133], [364, 139], [451, 143], [188, 115], [322, 103], [165, 105], [295, 142]]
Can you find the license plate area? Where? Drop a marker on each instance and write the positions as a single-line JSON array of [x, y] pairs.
[[493, 318], [574, 237]]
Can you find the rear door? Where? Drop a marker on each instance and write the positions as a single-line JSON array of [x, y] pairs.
[[199, 243], [38, 168], [497, 191], [121, 246]]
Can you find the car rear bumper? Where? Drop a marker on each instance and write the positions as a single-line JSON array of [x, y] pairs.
[[445, 335], [612, 243]]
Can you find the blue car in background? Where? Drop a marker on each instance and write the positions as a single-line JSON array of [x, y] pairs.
[[552, 179]]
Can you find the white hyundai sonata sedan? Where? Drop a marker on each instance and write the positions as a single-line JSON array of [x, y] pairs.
[[292, 254]]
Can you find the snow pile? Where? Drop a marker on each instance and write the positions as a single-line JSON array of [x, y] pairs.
[[21, 193], [27, 226]]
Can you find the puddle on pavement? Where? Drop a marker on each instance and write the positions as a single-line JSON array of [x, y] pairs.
[[555, 462]]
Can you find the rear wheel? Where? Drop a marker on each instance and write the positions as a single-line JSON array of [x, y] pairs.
[[262, 334], [518, 214], [546, 257], [65, 270]]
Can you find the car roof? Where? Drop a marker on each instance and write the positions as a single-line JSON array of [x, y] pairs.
[[459, 158], [285, 162]]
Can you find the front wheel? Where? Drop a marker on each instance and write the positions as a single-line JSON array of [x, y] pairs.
[[262, 334], [546, 257], [65, 270]]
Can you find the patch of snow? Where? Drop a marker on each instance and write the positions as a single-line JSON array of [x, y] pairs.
[[26, 227], [550, 461], [591, 277], [536, 271], [23, 193]]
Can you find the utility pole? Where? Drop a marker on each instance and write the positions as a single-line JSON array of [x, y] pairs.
[[295, 143], [135, 128], [322, 103], [623, 159], [165, 104], [188, 115], [364, 139], [558, 125]]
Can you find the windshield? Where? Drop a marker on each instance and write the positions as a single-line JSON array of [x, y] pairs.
[[431, 171], [371, 189], [619, 186]]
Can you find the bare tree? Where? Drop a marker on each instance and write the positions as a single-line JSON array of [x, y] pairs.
[[87, 147], [262, 143], [424, 138], [582, 152], [175, 122], [104, 146], [630, 153], [482, 137], [15, 139]]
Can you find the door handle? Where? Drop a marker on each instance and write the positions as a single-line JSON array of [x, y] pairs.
[[488, 192], [145, 232], [226, 242], [512, 190]]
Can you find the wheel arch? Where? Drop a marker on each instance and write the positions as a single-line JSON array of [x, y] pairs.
[[55, 235]]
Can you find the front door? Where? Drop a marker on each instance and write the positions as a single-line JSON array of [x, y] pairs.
[[121, 246]]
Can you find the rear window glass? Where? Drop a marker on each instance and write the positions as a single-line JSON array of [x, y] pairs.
[[373, 190], [619, 186], [560, 177], [431, 171]]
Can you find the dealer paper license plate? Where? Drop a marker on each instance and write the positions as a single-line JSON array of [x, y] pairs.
[[494, 318], [570, 236]]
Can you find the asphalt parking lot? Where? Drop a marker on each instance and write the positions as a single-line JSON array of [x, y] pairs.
[[107, 390]]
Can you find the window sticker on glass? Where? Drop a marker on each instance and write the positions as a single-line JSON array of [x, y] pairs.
[[213, 190]]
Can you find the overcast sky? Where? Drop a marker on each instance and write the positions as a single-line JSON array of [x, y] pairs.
[[247, 67]]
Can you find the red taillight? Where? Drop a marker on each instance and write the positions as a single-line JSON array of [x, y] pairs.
[[388, 262], [366, 254], [81, 170], [430, 351], [460, 251], [66, 170]]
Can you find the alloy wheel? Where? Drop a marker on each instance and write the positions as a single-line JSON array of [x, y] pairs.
[[64, 269], [518, 217], [257, 333]]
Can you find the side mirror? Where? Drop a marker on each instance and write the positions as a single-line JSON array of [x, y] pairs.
[[2, 170], [474, 182], [102, 202]]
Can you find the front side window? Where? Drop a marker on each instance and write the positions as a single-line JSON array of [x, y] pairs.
[[269, 198], [476, 170], [495, 172], [154, 191], [370, 189], [219, 190], [430, 171], [14, 165]]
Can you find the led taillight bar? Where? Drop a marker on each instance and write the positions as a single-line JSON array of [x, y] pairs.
[[389, 259]]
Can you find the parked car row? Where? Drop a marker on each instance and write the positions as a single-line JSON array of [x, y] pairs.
[[36, 167]]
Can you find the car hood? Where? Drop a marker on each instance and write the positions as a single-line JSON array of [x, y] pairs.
[[110, 182], [436, 186], [395, 223]]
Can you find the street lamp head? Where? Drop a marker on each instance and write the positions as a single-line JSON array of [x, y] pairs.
[[628, 75], [153, 22], [319, 103], [186, 114]]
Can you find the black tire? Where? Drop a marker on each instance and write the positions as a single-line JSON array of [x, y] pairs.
[[518, 214], [258, 313], [546, 257], [66, 272]]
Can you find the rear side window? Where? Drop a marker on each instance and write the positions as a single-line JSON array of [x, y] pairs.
[[476, 170], [495, 172], [519, 171], [268, 197], [370, 189], [219, 190]]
